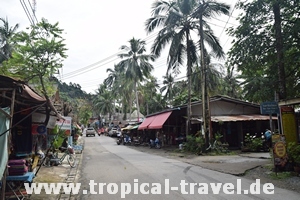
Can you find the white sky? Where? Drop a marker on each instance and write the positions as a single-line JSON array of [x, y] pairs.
[[95, 30]]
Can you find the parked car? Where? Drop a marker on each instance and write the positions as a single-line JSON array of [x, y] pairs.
[[90, 131], [113, 132]]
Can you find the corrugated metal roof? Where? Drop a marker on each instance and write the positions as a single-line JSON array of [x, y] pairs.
[[25, 95], [235, 118]]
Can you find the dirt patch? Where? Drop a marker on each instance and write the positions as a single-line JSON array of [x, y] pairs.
[[284, 180]]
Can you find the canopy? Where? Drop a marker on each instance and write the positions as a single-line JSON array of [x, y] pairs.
[[127, 127], [159, 120], [134, 127], [146, 122]]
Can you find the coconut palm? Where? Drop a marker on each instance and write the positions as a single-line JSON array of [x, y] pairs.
[[179, 24], [176, 29], [6, 34], [103, 103], [147, 92], [114, 82], [168, 86], [136, 64], [205, 10]]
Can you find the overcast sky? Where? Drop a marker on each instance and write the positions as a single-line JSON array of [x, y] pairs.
[[95, 30]]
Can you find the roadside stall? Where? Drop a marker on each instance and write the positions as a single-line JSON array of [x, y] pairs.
[[26, 118], [287, 148]]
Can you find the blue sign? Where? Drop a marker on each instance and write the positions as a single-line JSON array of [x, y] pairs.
[[270, 107]]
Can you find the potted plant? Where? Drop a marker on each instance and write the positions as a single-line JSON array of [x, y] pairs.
[[293, 151]]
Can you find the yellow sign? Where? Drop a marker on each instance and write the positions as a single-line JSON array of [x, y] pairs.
[[279, 149], [288, 120]]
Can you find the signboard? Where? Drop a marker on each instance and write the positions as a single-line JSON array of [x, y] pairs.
[[39, 118], [288, 120], [65, 124], [279, 150], [38, 129], [269, 108]]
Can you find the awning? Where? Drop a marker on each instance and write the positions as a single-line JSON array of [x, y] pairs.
[[159, 120], [130, 127], [134, 127], [127, 128], [146, 122], [235, 118]]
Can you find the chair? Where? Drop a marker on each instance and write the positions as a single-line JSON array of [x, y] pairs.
[[15, 183]]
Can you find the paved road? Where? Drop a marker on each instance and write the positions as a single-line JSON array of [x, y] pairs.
[[129, 171]]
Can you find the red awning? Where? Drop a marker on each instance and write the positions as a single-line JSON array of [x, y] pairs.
[[146, 122], [159, 120]]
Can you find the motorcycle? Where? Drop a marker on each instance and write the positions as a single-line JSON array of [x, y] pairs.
[[154, 144], [101, 131], [119, 138]]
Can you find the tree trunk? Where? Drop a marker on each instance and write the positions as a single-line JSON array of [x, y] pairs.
[[279, 51], [137, 102], [189, 72], [205, 98]]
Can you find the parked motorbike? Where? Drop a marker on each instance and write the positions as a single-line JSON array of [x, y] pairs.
[[137, 141], [154, 144], [120, 138], [101, 131]]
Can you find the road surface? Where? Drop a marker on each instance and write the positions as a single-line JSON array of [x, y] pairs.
[[111, 171]]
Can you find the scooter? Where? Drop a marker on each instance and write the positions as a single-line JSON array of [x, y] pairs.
[[120, 138], [154, 144]]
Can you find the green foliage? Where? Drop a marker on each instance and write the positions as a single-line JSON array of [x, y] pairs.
[[38, 55], [194, 144], [293, 151], [252, 143], [216, 146], [254, 52], [280, 175], [59, 137], [6, 42]]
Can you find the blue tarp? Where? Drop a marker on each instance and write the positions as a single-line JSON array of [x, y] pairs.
[[4, 126]]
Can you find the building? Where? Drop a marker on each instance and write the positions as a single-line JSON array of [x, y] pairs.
[[230, 117]]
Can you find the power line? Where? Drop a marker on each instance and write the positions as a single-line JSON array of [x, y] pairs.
[[228, 19], [98, 64], [25, 8]]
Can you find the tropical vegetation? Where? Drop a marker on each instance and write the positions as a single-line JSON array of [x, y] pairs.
[[264, 59]]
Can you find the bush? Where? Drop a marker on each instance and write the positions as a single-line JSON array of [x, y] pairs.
[[194, 144], [253, 143], [293, 150]]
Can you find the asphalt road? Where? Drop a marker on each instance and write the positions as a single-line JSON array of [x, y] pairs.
[[111, 171]]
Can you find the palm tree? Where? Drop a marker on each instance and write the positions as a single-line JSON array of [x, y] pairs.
[[103, 103], [114, 82], [231, 85], [148, 91], [176, 26], [178, 21], [168, 86], [136, 64], [6, 34], [206, 10]]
